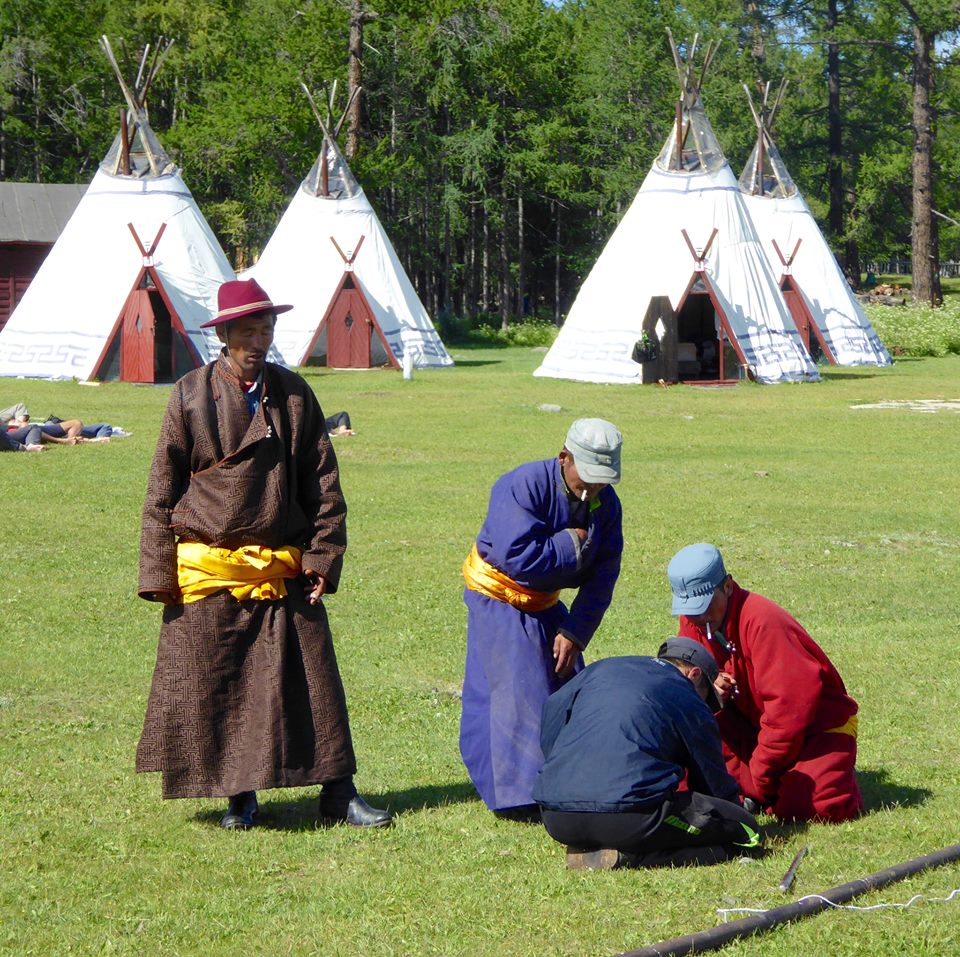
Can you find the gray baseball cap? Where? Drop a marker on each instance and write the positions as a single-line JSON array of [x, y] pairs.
[[686, 649], [695, 573], [595, 447]]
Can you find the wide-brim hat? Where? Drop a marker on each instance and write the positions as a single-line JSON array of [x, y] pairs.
[[242, 297], [693, 653], [595, 447], [695, 573]]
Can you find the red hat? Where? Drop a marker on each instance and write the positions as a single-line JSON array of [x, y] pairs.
[[241, 297]]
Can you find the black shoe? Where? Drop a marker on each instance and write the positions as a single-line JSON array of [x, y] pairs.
[[241, 811], [356, 812]]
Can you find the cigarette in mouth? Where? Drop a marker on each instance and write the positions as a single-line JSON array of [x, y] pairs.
[[583, 495]]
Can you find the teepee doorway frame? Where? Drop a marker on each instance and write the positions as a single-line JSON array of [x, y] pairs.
[[702, 277], [146, 327], [793, 296], [350, 322]]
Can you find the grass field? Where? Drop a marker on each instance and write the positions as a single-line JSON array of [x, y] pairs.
[[848, 517]]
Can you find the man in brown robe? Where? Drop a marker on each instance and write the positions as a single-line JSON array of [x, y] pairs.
[[244, 530]]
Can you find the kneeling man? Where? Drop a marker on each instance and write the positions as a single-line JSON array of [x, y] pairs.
[[618, 741], [788, 726]]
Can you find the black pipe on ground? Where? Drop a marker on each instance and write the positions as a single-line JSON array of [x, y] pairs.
[[722, 934]]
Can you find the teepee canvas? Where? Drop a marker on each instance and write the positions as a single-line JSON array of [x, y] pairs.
[[353, 303], [685, 267], [824, 307], [134, 273]]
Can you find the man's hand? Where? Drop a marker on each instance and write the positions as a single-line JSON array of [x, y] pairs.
[[565, 654], [725, 687], [318, 586]]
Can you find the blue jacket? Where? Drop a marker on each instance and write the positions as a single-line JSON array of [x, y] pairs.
[[623, 733]]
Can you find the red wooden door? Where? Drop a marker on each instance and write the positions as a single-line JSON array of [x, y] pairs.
[[348, 331], [798, 309], [137, 339]]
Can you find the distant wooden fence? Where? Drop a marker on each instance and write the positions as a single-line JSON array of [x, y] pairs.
[[903, 267]]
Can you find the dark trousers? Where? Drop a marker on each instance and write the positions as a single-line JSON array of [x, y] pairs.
[[687, 828]]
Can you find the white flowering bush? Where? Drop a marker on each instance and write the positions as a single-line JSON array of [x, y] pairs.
[[918, 330]]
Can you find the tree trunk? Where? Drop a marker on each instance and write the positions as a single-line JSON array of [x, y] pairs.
[[759, 54], [925, 244], [521, 269], [471, 284], [355, 76], [556, 265], [445, 284], [35, 84], [851, 246], [835, 127], [504, 261], [485, 273]]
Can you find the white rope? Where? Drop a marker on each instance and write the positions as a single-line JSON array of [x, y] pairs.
[[726, 911]]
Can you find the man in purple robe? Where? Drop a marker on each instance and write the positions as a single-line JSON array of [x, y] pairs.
[[551, 524]]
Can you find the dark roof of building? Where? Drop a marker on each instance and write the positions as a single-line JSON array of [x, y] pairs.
[[36, 212]]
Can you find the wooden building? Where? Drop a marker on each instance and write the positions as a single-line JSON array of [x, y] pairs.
[[32, 216]]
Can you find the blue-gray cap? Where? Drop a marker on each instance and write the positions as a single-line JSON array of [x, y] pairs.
[[595, 447], [695, 573]]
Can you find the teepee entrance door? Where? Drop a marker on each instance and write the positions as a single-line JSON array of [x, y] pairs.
[[707, 350], [799, 311], [146, 338], [148, 342], [349, 327], [136, 342], [349, 324]]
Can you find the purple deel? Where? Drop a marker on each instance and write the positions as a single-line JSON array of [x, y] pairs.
[[509, 668]]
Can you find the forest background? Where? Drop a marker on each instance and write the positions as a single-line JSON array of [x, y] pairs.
[[501, 140]]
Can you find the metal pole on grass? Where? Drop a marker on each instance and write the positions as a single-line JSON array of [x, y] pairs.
[[722, 934]]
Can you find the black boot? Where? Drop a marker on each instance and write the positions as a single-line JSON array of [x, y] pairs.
[[241, 812], [341, 804]]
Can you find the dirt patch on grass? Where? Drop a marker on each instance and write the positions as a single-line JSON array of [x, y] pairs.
[[914, 405]]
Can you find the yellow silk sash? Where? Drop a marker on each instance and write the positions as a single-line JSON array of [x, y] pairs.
[[251, 571], [849, 728], [487, 580]]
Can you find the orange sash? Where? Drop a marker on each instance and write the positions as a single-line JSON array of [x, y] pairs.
[[484, 579], [251, 571], [849, 728]]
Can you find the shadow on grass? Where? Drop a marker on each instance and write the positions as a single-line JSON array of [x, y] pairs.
[[832, 374], [881, 792], [778, 834], [463, 363], [303, 813]]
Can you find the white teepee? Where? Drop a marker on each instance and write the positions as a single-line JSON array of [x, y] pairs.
[[132, 276], [816, 291], [688, 244], [330, 258]]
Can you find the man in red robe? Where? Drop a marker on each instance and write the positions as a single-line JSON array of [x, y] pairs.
[[788, 726]]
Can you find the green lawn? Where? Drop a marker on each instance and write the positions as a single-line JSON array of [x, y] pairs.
[[847, 517]]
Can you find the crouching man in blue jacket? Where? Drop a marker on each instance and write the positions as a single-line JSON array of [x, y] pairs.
[[618, 740]]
